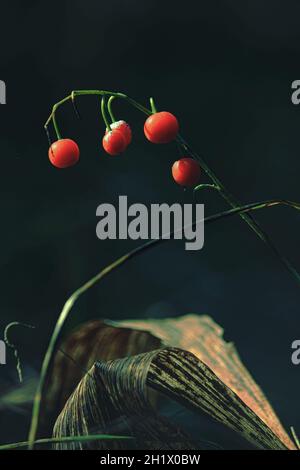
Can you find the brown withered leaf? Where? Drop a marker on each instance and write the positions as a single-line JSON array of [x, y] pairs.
[[204, 374], [93, 341], [113, 396], [203, 337]]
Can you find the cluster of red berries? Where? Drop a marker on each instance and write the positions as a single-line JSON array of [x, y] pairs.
[[159, 128]]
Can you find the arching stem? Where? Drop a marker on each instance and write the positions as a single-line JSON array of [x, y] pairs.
[[109, 103], [57, 131], [153, 107], [103, 111], [206, 186]]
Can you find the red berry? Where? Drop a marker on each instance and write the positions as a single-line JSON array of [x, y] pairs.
[[64, 153], [186, 172], [114, 142], [123, 127], [161, 128]]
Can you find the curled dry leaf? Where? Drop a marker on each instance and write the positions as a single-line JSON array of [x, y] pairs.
[[113, 396], [91, 342], [200, 370], [203, 337]]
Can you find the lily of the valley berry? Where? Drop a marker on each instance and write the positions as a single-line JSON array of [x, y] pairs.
[[159, 128]]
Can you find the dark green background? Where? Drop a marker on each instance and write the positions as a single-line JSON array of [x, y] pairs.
[[225, 69]]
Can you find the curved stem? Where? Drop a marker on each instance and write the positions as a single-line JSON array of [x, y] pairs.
[[53, 341], [153, 107], [74, 93], [57, 131], [110, 100], [53, 115], [206, 186], [103, 111], [107, 270]]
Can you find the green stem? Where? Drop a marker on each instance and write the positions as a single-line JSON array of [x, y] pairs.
[[53, 340], [206, 186], [111, 98], [57, 440], [75, 93], [107, 270], [53, 114], [57, 131], [103, 111], [153, 107]]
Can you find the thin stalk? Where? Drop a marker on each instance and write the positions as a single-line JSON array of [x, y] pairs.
[[64, 100], [103, 111], [102, 93], [109, 103], [107, 270], [56, 128], [153, 107], [74, 93], [57, 440], [205, 186]]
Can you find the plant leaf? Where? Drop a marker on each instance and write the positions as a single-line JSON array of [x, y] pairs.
[[203, 337], [204, 374]]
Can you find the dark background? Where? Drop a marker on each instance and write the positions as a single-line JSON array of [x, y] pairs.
[[224, 68]]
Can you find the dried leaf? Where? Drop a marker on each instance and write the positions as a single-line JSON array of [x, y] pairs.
[[212, 379], [89, 343], [203, 337], [114, 394]]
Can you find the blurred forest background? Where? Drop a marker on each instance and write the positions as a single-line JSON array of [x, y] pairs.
[[225, 69]]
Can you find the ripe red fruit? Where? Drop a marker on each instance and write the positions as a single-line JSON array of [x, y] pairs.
[[64, 153], [161, 128], [114, 142], [123, 127], [186, 172]]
